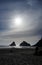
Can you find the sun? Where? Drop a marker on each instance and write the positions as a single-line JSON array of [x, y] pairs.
[[18, 21]]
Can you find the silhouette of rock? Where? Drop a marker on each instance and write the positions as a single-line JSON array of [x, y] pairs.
[[13, 44], [24, 43], [39, 43]]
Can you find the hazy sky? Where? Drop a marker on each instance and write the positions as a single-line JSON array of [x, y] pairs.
[[20, 20]]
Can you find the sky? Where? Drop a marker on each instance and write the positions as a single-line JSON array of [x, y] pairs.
[[20, 20]]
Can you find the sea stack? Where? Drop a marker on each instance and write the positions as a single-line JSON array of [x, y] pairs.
[[13, 44], [24, 43]]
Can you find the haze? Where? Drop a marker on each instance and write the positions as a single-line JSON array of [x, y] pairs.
[[20, 20]]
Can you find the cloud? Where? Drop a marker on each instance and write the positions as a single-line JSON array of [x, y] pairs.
[[30, 11]]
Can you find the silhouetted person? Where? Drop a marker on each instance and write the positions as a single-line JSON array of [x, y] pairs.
[[36, 50]]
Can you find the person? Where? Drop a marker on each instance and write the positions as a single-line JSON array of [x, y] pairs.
[[36, 50]]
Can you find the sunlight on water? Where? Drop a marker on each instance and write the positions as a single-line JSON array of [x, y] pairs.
[[18, 47]]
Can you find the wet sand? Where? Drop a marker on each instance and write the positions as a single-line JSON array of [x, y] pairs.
[[19, 57]]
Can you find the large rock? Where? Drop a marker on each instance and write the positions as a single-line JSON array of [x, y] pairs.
[[39, 43], [13, 44], [24, 43]]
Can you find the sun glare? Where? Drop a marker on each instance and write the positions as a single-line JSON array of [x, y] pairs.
[[18, 21]]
